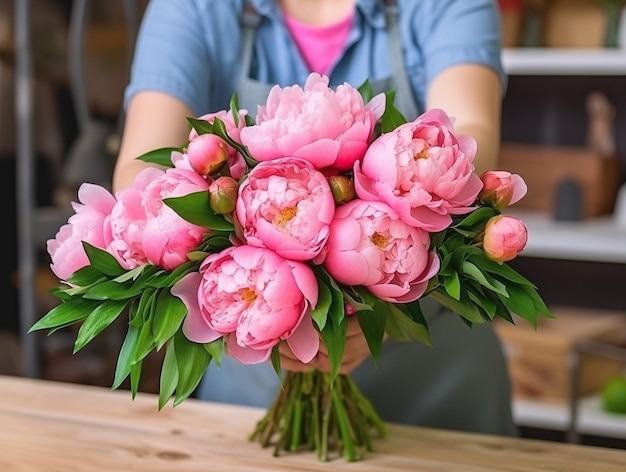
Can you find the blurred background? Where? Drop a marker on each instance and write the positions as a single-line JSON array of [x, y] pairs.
[[564, 131]]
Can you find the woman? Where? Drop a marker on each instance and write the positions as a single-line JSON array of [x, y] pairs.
[[190, 57]]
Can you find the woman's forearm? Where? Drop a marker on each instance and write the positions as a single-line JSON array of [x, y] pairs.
[[153, 120]]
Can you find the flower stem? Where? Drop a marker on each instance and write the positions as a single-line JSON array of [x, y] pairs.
[[313, 413]]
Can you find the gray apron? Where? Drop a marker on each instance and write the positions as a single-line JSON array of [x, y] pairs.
[[461, 383]]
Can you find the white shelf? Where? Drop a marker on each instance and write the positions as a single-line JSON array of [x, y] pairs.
[[599, 239], [554, 61], [592, 420]]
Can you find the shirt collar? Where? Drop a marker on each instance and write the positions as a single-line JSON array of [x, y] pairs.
[[373, 11]]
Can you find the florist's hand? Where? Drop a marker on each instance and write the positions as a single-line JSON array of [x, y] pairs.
[[356, 351]]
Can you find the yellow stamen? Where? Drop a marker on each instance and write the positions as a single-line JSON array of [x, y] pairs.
[[379, 240], [423, 154], [248, 295], [285, 216]]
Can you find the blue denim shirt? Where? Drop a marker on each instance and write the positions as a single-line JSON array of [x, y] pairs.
[[191, 48]]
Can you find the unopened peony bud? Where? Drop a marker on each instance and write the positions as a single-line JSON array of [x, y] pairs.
[[501, 189], [207, 153], [505, 237], [342, 188], [223, 195], [349, 309]]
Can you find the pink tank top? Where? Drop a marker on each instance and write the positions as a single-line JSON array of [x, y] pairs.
[[320, 46]]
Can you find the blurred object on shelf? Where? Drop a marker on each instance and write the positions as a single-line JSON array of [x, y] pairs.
[[533, 19], [511, 12], [576, 23], [540, 360], [612, 19], [596, 168], [601, 124], [545, 167]]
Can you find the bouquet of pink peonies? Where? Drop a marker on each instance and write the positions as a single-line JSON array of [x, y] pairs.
[[255, 233]]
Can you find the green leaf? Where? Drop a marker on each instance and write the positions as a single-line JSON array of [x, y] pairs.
[[392, 118], [195, 208], [134, 274], [484, 279], [110, 290], [145, 341], [135, 377], [103, 261], [163, 279], [401, 327], [501, 270], [192, 360], [97, 321], [85, 277], [324, 301], [373, 324], [169, 375], [475, 221], [126, 356], [334, 337], [366, 91], [65, 314], [169, 313], [452, 284], [488, 305], [526, 302], [161, 156], [216, 349], [275, 359], [463, 307], [234, 108]]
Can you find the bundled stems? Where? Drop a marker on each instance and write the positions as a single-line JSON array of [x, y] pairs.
[[312, 413]]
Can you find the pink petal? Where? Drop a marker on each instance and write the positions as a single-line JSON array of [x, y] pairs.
[[305, 341], [246, 355], [195, 327]]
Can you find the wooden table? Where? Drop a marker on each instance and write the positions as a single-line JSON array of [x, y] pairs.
[[57, 427]]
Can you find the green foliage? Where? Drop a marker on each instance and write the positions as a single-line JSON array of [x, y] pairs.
[[195, 208], [476, 287], [392, 118], [161, 157]]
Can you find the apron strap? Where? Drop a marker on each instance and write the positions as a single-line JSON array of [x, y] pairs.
[[249, 22], [404, 91]]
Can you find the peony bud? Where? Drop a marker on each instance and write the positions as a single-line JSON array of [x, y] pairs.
[[349, 309], [223, 195], [505, 237], [207, 153], [342, 188], [501, 188]]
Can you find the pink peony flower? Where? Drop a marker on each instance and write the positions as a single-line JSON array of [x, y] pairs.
[[254, 298], [370, 245], [422, 170], [167, 237], [328, 128], [89, 223], [505, 237], [287, 206], [236, 162], [501, 188]]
